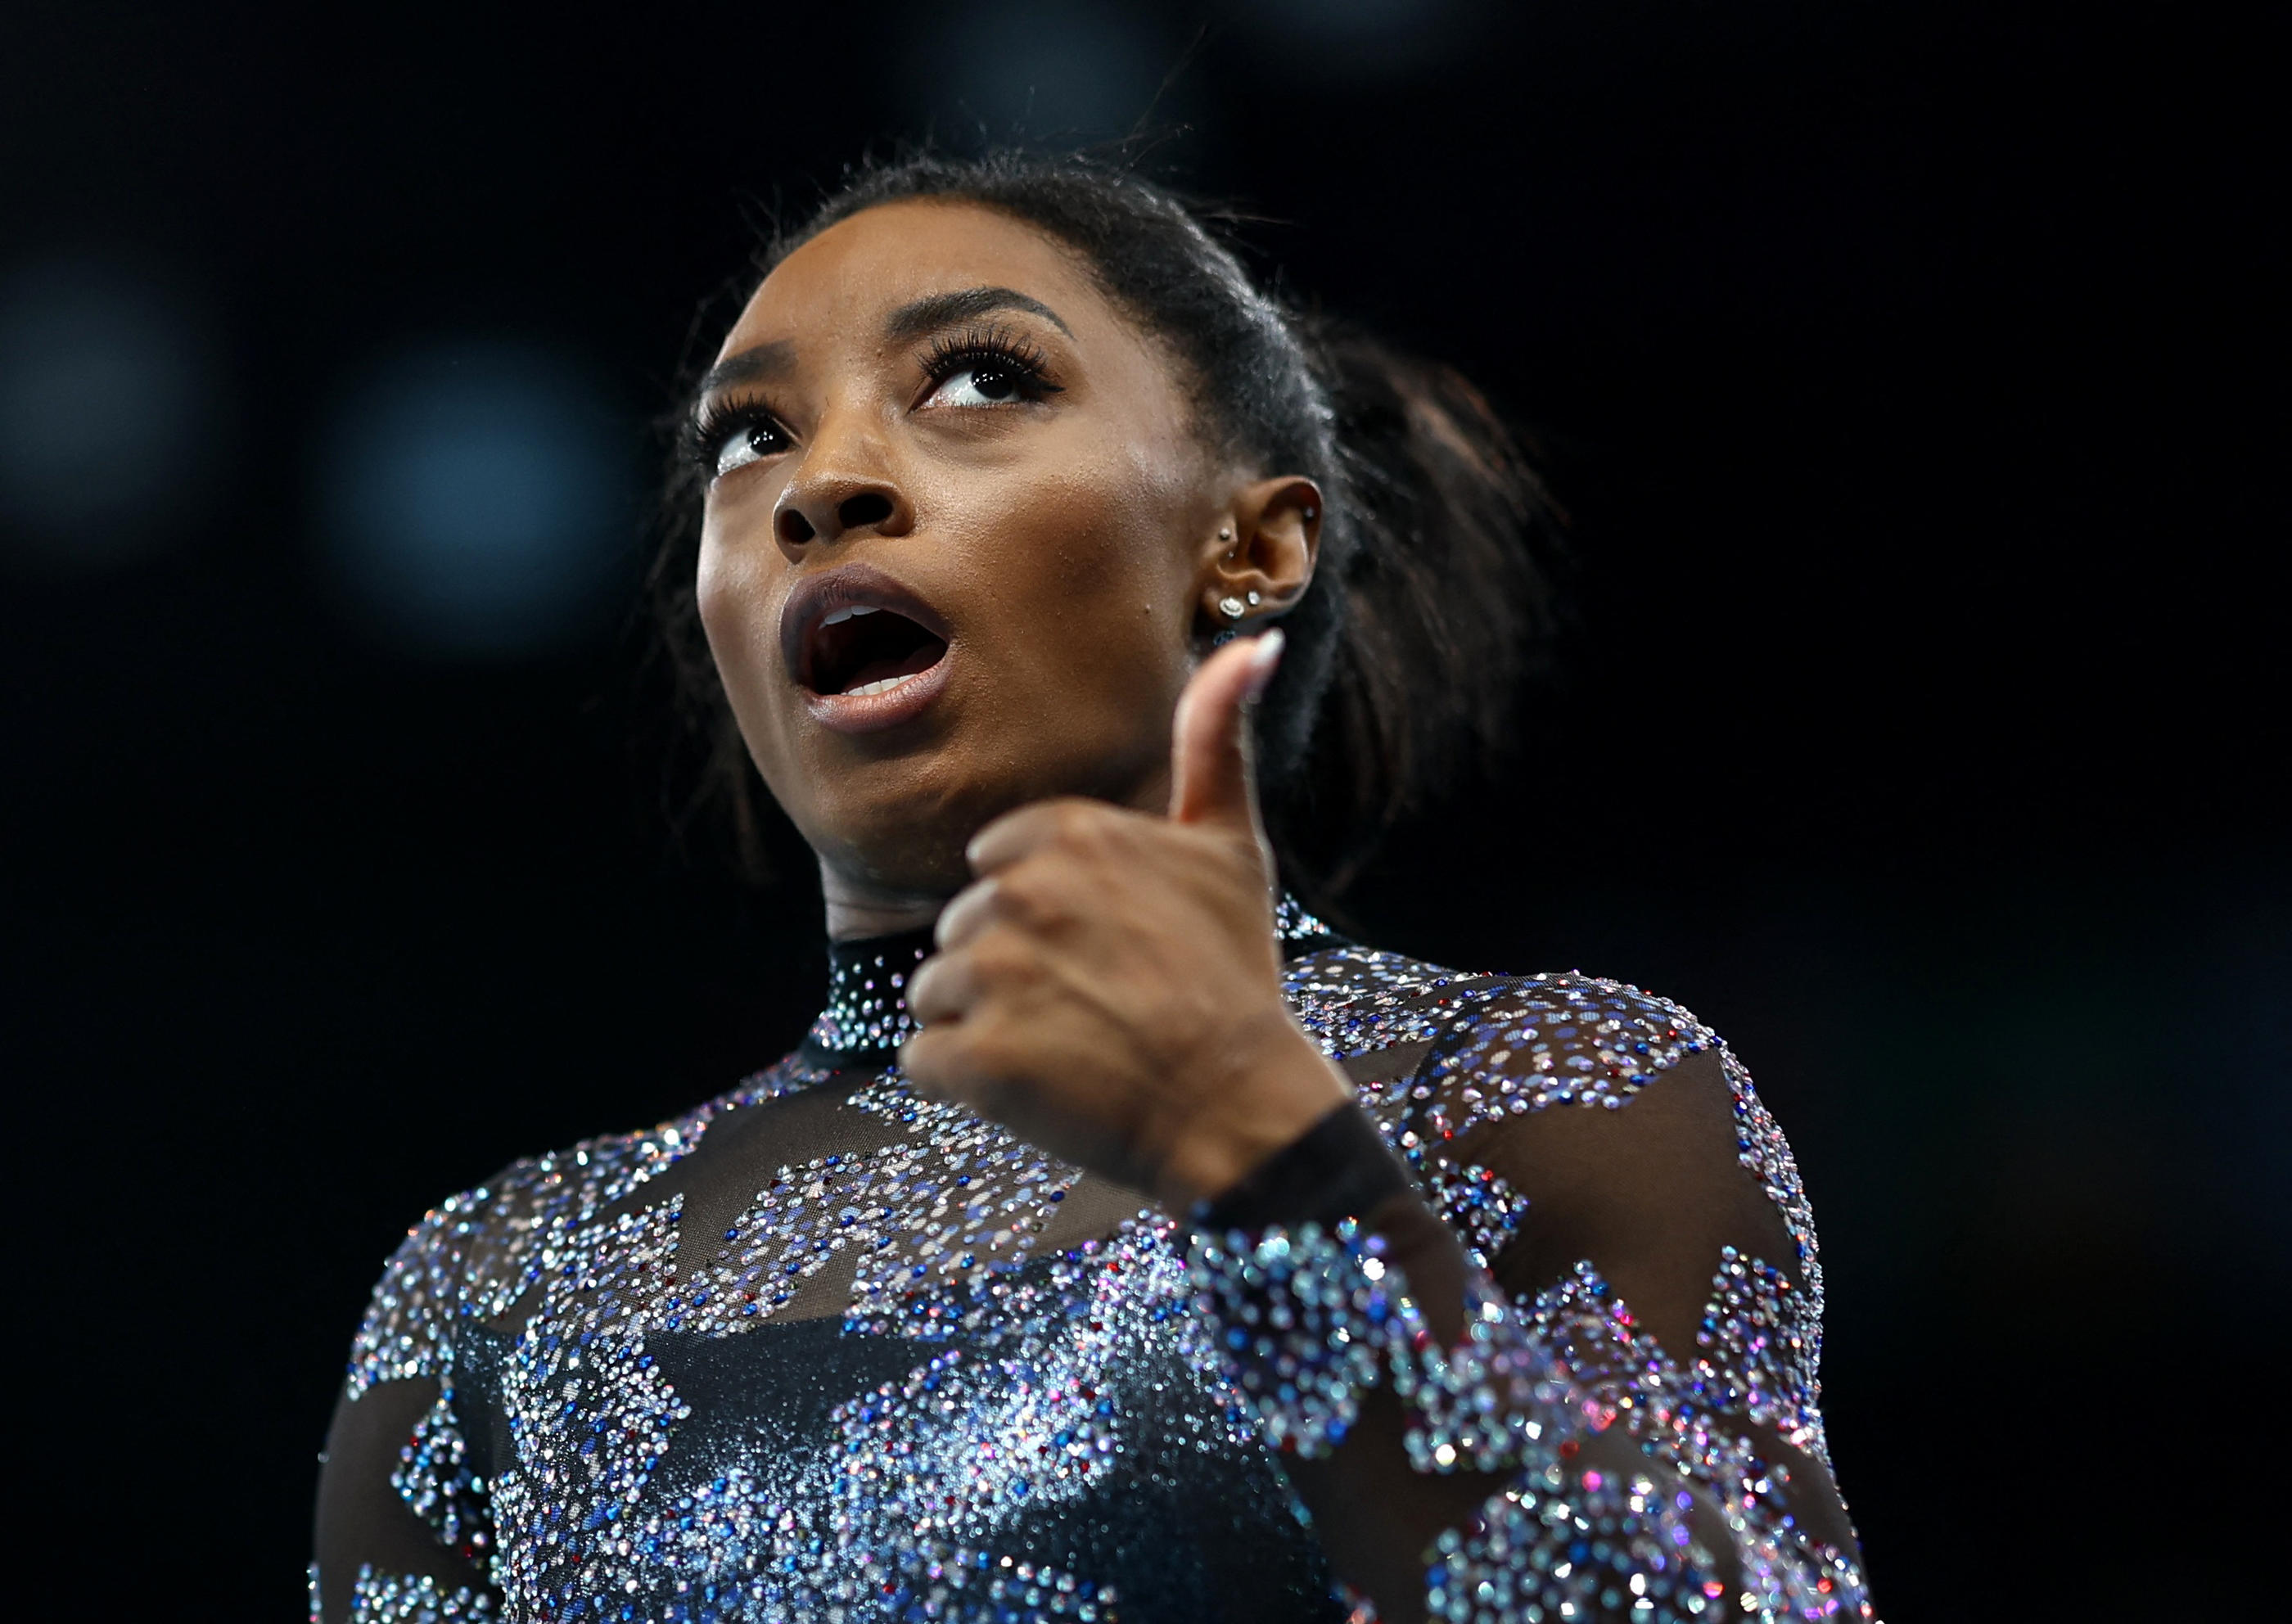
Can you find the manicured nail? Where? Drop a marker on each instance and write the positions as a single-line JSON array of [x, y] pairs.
[[1263, 660]]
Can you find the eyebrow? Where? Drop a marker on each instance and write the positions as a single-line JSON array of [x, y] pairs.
[[937, 311], [910, 321], [771, 361]]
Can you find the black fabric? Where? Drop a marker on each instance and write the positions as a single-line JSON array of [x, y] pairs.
[[851, 954], [1340, 1167], [857, 972], [1186, 1523]]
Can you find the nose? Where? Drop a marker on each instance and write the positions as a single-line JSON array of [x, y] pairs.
[[839, 492]]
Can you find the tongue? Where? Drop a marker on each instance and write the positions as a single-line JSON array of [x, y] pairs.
[[920, 658]]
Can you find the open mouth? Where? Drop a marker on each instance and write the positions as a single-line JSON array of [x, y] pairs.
[[861, 649], [864, 648]]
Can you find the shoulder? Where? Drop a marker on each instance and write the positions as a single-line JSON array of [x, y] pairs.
[[1592, 1038], [477, 1251], [462, 1254], [1443, 1055], [1484, 1056], [1562, 1039]]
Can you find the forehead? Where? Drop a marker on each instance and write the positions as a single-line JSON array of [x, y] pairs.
[[888, 257]]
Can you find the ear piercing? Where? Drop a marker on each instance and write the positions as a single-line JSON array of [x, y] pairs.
[[1230, 606]]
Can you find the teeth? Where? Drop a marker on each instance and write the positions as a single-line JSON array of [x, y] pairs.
[[882, 685], [842, 615]]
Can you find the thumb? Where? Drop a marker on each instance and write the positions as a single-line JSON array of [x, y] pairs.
[[1213, 778]]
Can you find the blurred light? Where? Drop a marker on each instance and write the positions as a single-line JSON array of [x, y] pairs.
[[476, 502], [1365, 39], [110, 408], [1039, 70]]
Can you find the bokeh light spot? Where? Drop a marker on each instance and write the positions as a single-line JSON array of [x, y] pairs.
[[1367, 40], [476, 501], [1040, 69], [110, 415]]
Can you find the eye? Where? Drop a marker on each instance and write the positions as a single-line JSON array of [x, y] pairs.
[[984, 381], [745, 441], [985, 366]]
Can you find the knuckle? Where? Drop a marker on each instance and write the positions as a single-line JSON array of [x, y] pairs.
[[1081, 825], [1112, 843], [1038, 893], [923, 1057], [1020, 893], [992, 1050], [1002, 958]]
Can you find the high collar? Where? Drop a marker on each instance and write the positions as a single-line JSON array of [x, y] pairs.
[[865, 1016], [865, 1020]]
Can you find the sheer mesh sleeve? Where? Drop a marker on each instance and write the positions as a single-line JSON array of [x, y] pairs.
[[403, 1528], [406, 1527], [1591, 1392]]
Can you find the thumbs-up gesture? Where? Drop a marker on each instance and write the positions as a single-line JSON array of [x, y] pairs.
[[1110, 989]]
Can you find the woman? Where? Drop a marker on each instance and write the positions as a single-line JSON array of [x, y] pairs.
[[1120, 1243]]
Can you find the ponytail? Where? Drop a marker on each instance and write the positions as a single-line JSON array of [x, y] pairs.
[[1446, 596]]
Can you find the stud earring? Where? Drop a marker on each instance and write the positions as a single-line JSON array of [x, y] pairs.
[[1312, 513], [1252, 600], [1226, 534], [1230, 608]]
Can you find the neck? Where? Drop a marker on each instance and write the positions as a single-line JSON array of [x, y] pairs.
[[866, 1017], [860, 906], [857, 911]]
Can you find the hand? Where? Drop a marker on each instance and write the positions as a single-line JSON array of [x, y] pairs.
[[1110, 989]]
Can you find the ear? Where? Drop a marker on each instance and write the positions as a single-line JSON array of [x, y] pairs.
[[1261, 555]]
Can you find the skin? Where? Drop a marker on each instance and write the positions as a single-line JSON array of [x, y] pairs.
[[1075, 805]]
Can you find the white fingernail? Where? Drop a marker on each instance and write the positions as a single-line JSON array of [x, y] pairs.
[[1263, 660]]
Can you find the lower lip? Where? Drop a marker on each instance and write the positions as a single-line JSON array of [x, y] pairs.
[[872, 713]]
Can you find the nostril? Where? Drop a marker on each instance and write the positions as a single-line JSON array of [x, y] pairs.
[[795, 528], [868, 507]]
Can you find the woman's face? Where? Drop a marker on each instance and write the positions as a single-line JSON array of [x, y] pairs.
[[960, 541]]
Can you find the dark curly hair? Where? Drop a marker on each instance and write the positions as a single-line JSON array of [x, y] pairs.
[[1433, 594]]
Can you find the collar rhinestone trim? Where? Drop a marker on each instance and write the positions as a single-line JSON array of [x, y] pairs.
[[866, 1007]]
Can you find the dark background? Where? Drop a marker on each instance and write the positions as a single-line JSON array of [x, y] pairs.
[[1905, 369]]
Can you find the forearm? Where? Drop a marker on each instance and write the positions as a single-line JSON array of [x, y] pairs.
[[1444, 1452]]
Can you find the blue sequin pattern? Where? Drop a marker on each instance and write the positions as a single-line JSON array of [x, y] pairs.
[[630, 1420]]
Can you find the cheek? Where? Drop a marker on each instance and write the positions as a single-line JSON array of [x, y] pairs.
[[734, 589], [1095, 583], [714, 583], [722, 595]]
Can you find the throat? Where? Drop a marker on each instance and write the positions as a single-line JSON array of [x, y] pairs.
[[858, 910]]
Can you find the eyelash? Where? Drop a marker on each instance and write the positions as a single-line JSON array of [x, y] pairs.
[[706, 429], [950, 353]]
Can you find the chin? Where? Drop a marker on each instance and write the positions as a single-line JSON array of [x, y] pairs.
[[904, 820], [901, 824]]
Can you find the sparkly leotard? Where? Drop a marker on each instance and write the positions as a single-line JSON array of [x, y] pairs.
[[823, 1350]]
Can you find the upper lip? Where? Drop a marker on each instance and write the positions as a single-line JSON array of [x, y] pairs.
[[816, 597]]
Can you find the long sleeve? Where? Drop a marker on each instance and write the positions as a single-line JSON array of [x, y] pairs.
[[1546, 1346], [404, 1528]]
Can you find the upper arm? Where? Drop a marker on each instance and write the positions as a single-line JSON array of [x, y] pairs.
[[395, 1517], [365, 1525], [1625, 1180], [1649, 1194]]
